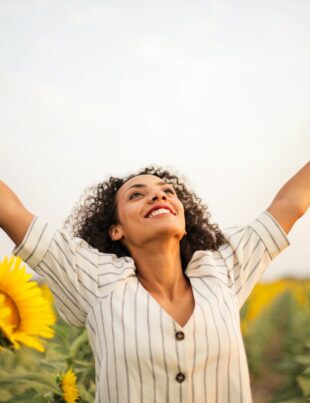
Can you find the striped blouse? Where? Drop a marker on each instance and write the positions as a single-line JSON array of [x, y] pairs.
[[141, 353]]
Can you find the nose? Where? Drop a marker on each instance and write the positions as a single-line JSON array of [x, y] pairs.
[[159, 194]]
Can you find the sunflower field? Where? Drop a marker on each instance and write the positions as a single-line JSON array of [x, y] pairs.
[[42, 359]]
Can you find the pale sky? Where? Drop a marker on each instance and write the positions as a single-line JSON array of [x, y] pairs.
[[218, 90]]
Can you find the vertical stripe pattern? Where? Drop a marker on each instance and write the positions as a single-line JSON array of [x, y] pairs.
[[141, 353]]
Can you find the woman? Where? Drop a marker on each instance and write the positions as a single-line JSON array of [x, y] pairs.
[[158, 287]]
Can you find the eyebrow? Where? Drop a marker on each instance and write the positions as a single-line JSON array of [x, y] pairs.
[[141, 185]]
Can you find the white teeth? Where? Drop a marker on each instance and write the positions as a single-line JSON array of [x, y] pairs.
[[159, 211]]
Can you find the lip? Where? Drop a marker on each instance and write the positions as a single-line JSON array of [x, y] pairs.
[[158, 206]]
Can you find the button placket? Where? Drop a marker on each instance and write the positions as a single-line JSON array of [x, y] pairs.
[[179, 335]]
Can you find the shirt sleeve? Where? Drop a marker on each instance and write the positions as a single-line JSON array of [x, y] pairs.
[[250, 251], [68, 269]]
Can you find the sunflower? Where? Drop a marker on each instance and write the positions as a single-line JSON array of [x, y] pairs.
[[69, 387], [25, 315], [5, 328]]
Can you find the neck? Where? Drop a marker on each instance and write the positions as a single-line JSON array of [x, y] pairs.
[[159, 269]]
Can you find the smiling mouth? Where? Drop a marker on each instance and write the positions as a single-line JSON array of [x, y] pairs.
[[160, 212], [160, 215]]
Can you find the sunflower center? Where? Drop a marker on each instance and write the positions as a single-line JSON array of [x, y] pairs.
[[14, 318]]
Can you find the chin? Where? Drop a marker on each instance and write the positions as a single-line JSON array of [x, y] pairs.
[[170, 232]]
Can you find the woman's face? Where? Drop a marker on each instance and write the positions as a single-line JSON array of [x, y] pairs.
[[137, 224]]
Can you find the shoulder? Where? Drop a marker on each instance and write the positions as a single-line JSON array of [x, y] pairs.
[[264, 228]]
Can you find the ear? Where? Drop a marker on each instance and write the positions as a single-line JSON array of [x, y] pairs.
[[115, 232]]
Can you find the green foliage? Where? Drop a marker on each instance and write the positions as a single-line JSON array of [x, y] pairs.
[[265, 336], [30, 376], [278, 351]]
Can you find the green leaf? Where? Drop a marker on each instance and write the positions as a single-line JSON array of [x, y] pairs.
[[303, 359], [35, 379], [85, 394], [304, 384], [75, 347], [306, 371], [29, 395]]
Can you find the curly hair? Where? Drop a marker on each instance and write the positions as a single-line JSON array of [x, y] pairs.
[[96, 211]]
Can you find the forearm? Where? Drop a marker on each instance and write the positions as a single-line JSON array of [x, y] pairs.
[[14, 217], [296, 191]]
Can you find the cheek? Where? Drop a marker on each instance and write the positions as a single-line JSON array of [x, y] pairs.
[[130, 216], [181, 209]]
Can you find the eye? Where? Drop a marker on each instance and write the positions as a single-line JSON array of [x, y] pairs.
[[133, 194]]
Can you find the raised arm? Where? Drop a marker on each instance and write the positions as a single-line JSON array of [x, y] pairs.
[[14, 217], [292, 200]]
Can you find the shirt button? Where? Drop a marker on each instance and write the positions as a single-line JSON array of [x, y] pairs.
[[180, 377], [179, 335]]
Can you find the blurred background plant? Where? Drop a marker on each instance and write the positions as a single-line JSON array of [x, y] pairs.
[[275, 322]]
